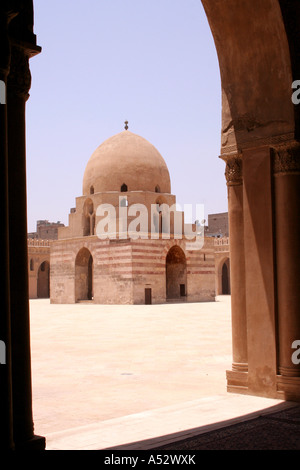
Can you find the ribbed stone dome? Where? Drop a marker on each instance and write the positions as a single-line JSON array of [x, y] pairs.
[[129, 161]]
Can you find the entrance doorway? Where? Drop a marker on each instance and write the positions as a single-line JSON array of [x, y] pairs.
[[84, 275], [182, 290], [226, 278], [148, 296], [176, 273], [43, 281]]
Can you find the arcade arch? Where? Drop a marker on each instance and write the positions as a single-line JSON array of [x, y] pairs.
[[260, 147]]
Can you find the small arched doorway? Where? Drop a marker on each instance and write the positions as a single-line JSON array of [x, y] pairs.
[[225, 280], [88, 218], [176, 278], [43, 281], [84, 275], [159, 214]]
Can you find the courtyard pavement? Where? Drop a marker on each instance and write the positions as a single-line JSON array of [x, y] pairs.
[[108, 376]]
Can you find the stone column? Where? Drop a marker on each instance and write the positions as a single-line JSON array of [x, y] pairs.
[[234, 178], [286, 170], [6, 419], [19, 81], [260, 271]]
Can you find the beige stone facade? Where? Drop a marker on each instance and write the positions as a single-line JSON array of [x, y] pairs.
[[127, 272], [213, 258]]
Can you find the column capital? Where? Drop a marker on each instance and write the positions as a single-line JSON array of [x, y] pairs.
[[5, 46], [234, 169], [286, 158], [19, 78]]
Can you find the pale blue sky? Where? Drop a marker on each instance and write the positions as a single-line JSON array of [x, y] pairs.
[[152, 62]]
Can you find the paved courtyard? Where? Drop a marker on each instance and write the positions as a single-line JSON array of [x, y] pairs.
[[111, 375]]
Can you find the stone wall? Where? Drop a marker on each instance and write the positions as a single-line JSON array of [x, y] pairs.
[[123, 269]]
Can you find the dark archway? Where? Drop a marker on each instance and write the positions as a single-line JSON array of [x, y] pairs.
[[226, 278], [176, 277], [43, 281], [84, 275]]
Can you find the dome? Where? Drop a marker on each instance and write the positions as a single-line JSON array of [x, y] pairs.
[[126, 161]]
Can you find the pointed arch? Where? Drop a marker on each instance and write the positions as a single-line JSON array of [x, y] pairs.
[[43, 280], [84, 271], [88, 218], [176, 273]]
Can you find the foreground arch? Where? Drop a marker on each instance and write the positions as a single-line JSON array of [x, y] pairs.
[[258, 44], [260, 146]]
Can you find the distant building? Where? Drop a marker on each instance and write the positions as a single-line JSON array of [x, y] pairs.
[[46, 230], [217, 228], [39, 258], [217, 225]]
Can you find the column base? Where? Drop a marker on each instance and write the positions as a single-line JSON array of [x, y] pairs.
[[240, 367], [237, 381], [288, 388], [289, 371]]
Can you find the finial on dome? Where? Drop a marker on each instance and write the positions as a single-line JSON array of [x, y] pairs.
[[126, 125]]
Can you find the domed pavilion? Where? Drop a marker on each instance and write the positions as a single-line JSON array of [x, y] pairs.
[[125, 242]]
